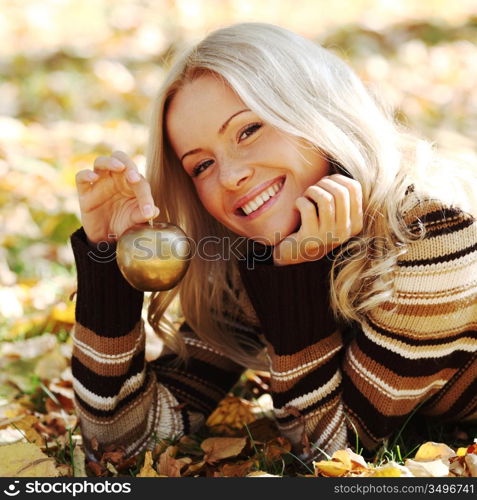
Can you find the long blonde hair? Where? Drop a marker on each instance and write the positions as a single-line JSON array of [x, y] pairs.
[[304, 90]]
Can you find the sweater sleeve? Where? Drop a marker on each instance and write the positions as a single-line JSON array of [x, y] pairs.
[[418, 348], [121, 399]]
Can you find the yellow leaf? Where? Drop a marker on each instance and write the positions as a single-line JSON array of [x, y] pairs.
[[63, 313], [342, 456], [432, 451], [147, 469], [25, 425], [386, 472], [330, 468], [25, 460]]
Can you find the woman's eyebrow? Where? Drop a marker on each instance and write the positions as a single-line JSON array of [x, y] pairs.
[[220, 132]]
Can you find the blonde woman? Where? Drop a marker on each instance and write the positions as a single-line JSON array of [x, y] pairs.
[[337, 266]]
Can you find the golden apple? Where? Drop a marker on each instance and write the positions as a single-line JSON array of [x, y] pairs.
[[153, 256]]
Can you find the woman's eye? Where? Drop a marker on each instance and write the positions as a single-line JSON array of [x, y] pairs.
[[251, 129], [196, 170]]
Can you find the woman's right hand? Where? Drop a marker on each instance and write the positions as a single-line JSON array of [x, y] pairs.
[[110, 200]]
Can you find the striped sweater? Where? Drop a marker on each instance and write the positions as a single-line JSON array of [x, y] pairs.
[[416, 349]]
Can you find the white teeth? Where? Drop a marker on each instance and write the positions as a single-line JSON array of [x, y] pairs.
[[260, 199]]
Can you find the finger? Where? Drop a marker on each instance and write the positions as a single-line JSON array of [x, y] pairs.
[[309, 217], [84, 179], [356, 201], [341, 198], [122, 157], [139, 185], [107, 163], [326, 207]]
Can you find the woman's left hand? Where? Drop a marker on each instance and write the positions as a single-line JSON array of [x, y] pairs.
[[339, 217]]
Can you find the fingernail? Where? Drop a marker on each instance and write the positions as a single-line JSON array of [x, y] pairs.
[[92, 176], [133, 176], [147, 210], [116, 163]]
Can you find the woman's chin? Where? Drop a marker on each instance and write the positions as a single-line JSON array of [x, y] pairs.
[[274, 236]]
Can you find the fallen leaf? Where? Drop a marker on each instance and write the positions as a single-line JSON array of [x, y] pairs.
[[239, 469], [433, 451], [220, 448], [170, 466], [232, 413], [260, 473], [330, 468], [434, 468], [27, 427], [79, 462], [471, 462], [147, 470], [25, 460], [275, 448], [194, 468]]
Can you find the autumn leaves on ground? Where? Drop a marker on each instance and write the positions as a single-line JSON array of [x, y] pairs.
[[66, 98]]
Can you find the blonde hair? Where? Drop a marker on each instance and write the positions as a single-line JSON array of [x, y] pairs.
[[304, 90]]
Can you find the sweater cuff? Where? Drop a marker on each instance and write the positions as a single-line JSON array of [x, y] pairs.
[[291, 302], [105, 302]]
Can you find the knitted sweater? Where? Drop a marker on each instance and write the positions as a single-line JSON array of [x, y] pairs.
[[417, 349]]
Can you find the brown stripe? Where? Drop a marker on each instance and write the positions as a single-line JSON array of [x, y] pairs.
[[431, 309], [450, 394], [111, 429], [107, 345], [295, 361], [103, 369], [389, 376]]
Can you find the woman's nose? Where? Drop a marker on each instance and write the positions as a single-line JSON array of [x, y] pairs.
[[233, 175]]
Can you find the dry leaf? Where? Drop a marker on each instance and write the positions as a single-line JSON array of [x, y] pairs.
[[260, 473], [147, 470], [25, 460], [231, 413], [220, 448], [239, 469], [194, 468], [79, 462], [27, 427], [330, 468], [275, 448], [471, 462], [170, 466], [434, 468], [433, 451]]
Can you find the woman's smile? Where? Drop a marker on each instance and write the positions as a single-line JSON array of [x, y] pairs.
[[247, 173], [258, 204]]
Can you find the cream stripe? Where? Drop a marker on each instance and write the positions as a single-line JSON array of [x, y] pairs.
[[109, 403], [387, 389], [302, 369], [106, 358], [438, 277], [306, 399], [417, 352]]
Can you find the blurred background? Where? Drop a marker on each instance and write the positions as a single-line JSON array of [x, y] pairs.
[[77, 78]]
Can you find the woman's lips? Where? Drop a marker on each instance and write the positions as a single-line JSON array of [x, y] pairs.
[[263, 207]]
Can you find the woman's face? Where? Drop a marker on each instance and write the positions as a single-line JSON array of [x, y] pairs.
[[233, 156]]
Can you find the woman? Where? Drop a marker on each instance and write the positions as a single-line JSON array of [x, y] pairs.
[[349, 280]]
